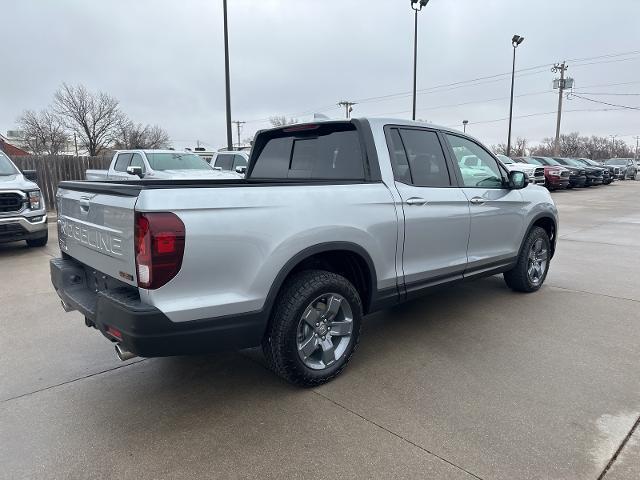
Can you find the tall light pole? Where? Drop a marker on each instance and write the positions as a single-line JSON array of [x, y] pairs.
[[515, 41], [416, 5], [464, 125], [226, 76]]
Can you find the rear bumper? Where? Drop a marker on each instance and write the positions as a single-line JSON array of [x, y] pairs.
[[17, 228], [144, 330]]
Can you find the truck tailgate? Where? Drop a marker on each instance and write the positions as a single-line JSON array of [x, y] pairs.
[[97, 229]]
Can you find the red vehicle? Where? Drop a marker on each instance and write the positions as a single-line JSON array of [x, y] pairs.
[[556, 177]]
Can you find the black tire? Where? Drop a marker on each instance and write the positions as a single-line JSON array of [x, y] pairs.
[[518, 278], [39, 242], [280, 342]]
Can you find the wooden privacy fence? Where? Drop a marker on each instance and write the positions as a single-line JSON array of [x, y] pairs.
[[53, 169]]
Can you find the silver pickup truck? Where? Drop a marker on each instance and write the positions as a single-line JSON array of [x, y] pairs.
[[334, 220]]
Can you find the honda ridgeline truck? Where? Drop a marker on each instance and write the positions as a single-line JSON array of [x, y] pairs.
[[333, 221]]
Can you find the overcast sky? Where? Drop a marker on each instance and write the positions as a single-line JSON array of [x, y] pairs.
[[164, 61]]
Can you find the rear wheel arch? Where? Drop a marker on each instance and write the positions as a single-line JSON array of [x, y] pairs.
[[344, 258]]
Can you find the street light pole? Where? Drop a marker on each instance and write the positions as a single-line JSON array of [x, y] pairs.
[[226, 76], [464, 125], [416, 5], [515, 41]]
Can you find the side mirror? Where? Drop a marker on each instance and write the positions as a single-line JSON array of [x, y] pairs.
[[241, 170], [517, 180], [30, 175], [135, 170]]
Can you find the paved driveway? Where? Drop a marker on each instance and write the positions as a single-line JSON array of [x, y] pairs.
[[472, 382]]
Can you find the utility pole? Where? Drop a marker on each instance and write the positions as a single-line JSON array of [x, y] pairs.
[[637, 140], [559, 67], [226, 75], [613, 144], [464, 125], [239, 126], [348, 107], [75, 141]]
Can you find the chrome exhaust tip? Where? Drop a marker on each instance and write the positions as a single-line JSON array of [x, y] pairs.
[[65, 307], [123, 354]]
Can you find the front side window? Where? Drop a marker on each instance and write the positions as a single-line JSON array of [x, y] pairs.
[[122, 162], [224, 161], [418, 159], [478, 168], [137, 161], [239, 161]]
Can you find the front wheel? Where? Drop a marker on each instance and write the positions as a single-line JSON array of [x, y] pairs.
[[533, 263], [315, 328]]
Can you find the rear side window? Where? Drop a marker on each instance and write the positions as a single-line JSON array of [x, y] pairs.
[[417, 158], [330, 152], [122, 162], [224, 161]]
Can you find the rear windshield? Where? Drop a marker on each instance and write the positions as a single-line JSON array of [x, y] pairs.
[[177, 161], [616, 161], [325, 151], [6, 167]]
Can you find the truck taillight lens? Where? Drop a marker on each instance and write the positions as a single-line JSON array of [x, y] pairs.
[[159, 247]]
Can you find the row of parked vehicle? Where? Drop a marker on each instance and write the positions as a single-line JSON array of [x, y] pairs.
[[558, 172]]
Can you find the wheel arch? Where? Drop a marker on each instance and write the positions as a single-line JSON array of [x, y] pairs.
[[359, 265], [546, 222]]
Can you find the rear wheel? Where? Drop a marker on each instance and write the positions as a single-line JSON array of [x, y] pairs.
[[533, 263], [39, 241], [315, 328]]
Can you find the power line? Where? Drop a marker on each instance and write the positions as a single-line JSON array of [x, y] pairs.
[[600, 101], [611, 94], [534, 70], [538, 114]]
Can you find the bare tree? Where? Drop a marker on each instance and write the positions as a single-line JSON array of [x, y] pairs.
[[44, 132], [130, 135], [281, 121], [499, 149], [92, 116], [520, 147]]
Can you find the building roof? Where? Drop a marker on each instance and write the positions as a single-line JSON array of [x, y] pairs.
[[11, 150]]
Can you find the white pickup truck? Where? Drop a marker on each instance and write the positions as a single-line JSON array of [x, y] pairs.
[[158, 165]]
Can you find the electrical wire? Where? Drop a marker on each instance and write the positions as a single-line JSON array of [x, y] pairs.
[[571, 95]]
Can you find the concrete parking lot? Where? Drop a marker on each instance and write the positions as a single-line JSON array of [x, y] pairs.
[[472, 382]]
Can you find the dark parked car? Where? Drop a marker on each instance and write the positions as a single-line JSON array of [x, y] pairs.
[[611, 172], [595, 175], [577, 176], [631, 170], [556, 176]]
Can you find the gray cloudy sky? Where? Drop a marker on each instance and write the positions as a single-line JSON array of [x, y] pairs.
[[164, 61]]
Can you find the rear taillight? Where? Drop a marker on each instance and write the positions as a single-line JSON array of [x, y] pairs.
[[159, 247]]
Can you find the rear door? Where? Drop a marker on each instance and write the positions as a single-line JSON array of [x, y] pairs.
[[436, 210], [497, 212], [97, 229]]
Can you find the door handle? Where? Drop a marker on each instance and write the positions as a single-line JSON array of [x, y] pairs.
[[477, 200], [415, 201], [84, 204]]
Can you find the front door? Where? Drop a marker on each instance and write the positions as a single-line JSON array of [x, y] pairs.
[[497, 212], [436, 211]]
